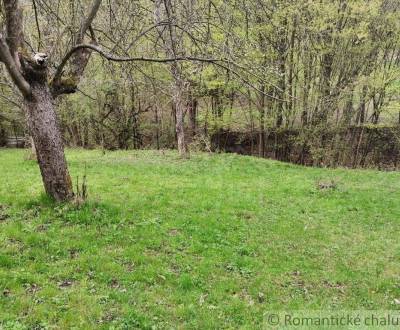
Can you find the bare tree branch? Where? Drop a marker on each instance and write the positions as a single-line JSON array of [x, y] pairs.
[[88, 21], [80, 56], [12, 68], [37, 24], [222, 63], [15, 36]]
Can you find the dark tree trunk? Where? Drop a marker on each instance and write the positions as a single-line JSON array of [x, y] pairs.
[[42, 121], [157, 122], [192, 110], [261, 135], [326, 100], [362, 113], [282, 90], [308, 76]]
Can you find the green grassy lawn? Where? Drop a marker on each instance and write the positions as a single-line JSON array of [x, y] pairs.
[[208, 243]]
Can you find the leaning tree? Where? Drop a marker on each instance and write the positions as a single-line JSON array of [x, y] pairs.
[[29, 72]]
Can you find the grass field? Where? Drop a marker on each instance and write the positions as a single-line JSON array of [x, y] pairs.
[[212, 242]]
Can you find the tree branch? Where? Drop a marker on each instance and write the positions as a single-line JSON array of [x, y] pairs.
[[222, 63], [37, 25], [14, 30], [80, 56], [88, 21], [12, 68]]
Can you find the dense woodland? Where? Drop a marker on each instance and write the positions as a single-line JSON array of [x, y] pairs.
[[182, 73]]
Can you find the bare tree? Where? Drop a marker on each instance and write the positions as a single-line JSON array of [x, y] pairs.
[[164, 17]]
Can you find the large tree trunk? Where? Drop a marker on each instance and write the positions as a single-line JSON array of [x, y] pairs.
[[43, 126]]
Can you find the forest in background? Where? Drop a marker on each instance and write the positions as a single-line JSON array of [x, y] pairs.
[[245, 75]]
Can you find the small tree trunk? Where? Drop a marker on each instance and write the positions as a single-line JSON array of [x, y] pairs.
[[261, 134], [180, 122], [157, 122], [33, 148], [182, 147], [192, 109], [42, 121], [31, 145], [172, 46]]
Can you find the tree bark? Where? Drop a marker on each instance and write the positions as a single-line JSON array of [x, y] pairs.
[[43, 126], [192, 110], [261, 134], [180, 116]]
